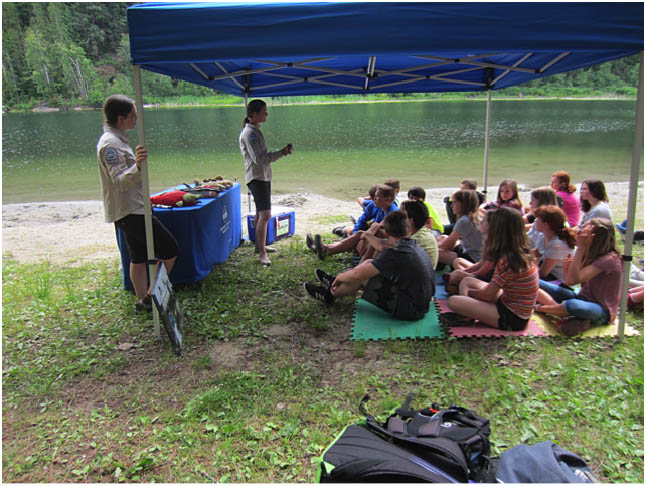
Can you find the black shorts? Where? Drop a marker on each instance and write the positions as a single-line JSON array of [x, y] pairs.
[[507, 320], [261, 192], [134, 228]]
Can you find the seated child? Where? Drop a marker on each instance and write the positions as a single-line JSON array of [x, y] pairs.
[[465, 206], [465, 185], [416, 193], [507, 197], [560, 182], [596, 265], [507, 301], [375, 211], [555, 242], [482, 270], [401, 280], [541, 196], [371, 246]]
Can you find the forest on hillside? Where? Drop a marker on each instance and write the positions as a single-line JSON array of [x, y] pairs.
[[77, 53]]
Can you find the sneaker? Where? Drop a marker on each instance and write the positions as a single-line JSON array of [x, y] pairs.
[[145, 304], [571, 326], [339, 231], [446, 277], [325, 278], [318, 244], [265, 262], [319, 293], [309, 241], [453, 319]]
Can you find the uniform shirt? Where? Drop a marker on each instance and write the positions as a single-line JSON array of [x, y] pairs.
[[119, 174], [372, 213], [410, 270], [257, 158], [519, 290], [426, 239], [605, 288], [571, 207]]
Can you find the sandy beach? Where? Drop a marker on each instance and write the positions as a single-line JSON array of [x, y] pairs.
[[74, 232]]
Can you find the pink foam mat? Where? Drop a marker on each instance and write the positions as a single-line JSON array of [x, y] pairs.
[[478, 330], [483, 331]]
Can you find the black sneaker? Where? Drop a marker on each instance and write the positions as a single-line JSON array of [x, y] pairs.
[[339, 231], [309, 241], [325, 278], [145, 304], [319, 293]]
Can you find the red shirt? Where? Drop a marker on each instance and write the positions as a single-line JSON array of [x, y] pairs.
[[519, 290]]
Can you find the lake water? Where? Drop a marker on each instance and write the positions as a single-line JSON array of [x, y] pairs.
[[340, 150]]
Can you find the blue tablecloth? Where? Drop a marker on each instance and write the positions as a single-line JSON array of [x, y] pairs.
[[207, 234]]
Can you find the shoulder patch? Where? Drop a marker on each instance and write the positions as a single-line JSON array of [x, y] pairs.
[[111, 156]]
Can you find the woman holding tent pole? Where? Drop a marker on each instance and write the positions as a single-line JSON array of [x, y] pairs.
[[123, 197], [257, 162]]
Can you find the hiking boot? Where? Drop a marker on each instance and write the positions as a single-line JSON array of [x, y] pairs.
[[571, 326], [324, 278], [145, 304], [309, 241], [319, 248], [319, 293]]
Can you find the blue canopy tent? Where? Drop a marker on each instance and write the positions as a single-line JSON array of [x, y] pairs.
[[287, 49]]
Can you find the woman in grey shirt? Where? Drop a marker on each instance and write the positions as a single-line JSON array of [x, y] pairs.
[[257, 162]]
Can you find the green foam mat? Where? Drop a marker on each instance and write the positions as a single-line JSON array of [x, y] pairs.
[[372, 323]]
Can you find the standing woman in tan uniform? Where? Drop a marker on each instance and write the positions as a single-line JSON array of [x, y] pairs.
[[123, 197]]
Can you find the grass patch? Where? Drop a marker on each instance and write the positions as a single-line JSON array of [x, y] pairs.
[[269, 378]]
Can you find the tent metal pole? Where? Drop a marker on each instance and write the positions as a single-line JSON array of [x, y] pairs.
[[148, 212], [638, 143], [486, 154]]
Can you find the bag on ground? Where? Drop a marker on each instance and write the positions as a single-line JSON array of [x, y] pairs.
[[429, 445]]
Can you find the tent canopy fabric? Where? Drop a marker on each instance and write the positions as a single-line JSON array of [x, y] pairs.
[[282, 49]]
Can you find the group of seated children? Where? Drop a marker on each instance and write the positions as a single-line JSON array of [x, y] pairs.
[[507, 261]]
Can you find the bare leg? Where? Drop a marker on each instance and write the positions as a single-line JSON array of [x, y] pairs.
[[139, 279], [261, 234], [456, 276], [461, 263], [347, 244], [446, 256], [485, 312]]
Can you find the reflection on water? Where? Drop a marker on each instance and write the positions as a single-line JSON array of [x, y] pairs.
[[423, 143]]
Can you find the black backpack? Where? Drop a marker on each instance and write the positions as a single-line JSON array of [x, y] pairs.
[[427, 445]]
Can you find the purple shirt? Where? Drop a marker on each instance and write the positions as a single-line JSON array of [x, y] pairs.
[[605, 288]]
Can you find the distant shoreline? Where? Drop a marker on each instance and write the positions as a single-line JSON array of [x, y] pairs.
[[43, 108]]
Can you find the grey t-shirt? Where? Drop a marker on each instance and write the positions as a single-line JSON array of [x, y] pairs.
[[408, 267], [470, 236], [601, 210]]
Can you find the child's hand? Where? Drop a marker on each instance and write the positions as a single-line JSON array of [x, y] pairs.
[[584, 236], [567, 261]]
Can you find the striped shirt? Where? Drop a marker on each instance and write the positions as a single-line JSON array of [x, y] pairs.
[[519, 290]]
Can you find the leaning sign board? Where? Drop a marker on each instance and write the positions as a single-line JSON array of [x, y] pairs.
[[168, 307]]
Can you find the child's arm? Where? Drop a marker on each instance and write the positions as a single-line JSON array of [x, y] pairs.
[[449, 242], [576, 272], [485, 267]]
